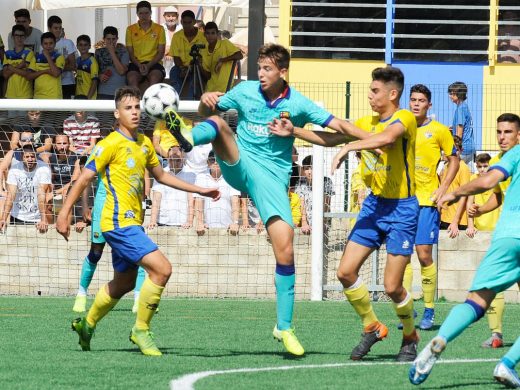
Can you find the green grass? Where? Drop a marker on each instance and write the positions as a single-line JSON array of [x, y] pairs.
[[38, 349]]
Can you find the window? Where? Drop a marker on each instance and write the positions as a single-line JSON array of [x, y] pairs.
[[508, 37]]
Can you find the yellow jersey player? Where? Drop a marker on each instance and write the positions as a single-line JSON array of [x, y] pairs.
[[121, 160], [46, 69], [16, 67], [432, 139]]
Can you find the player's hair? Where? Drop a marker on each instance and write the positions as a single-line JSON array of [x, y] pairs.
[[482, 158], [110, 30], [458, 88], [509, 117], [390, 74], [276, 53], [307, 161], [18, 27], [458, 142], [211, 26], [46, 35], [188, 14], [22, 13], [54, 19], [143, 4], [421, 88], [83, 38], [126, 92]]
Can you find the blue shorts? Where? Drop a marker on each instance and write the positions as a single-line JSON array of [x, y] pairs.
[[129, 245], [268, 192], [95, 228], [428, 226], [393, 221], [500, 268]]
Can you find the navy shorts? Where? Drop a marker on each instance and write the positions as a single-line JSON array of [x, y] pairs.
[[428, 226], [134, 68]]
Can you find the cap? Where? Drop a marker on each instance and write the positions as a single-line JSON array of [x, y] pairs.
[[170, 10]]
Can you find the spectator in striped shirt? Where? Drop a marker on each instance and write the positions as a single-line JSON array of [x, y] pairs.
[[83, 132]]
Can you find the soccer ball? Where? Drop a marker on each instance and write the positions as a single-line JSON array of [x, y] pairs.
[[158, 98]]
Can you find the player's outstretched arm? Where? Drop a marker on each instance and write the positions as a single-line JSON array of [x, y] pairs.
[[285, 128], [351, 131], [174, 182], [494, 201], [208, 103]]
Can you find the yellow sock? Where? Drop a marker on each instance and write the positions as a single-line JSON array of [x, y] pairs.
[[148, 302], [429, 284], [408, 277], [495, 313], [404, 311], [360, 301], [101, 306]]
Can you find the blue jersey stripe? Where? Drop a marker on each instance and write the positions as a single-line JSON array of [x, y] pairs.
[[115, 216], [408, 185]]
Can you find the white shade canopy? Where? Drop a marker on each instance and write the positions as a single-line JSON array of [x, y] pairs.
[[59, 4]]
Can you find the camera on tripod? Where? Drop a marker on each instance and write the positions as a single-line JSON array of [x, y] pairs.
[[195, 50]]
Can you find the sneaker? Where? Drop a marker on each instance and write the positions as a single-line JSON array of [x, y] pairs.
[[144, 340], [507, 376], [80, 304], [423, 364], [427, 319], [179, 130], [400, 324], [408, 351], [369, 338], [84, 331], [495, 341], [290, 341]]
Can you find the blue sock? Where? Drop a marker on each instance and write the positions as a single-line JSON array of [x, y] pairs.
[[512, 357], [460, 317], [141, 274], [204, 132], [87, 272], [284, 281]]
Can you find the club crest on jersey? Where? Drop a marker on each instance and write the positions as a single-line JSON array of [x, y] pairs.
[[285, 115], [99, 150], [129, 214], [428, 135], [130, 163], [144, 149]]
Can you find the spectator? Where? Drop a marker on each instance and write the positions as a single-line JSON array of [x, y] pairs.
[[462, 125], [2, 49], [171, 26], [224, 34], [113, 62], [63, 163], [145, 42], [172, 207], [163, 140], [295, 203], [250, 214], [199, 25], [13, 156], [512, 42], [41, 134], [217, 59], [16, 67], [67, 49], [87, 73], [83, 132], [32, 42], [358, 190], [454, 218], [485, 222], [28, 182], [296, 169], [46, 70], [223, 213], [181, 46]]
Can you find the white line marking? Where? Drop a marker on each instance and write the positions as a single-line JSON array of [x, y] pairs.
[[186, 382]]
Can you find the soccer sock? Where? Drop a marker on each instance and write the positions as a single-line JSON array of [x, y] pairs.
[[284, 278], [87, 270], [204, 132], [404, 311], [495, 313], [429, 283], [149, 299], [139, 280], [460, 317], [512, 357], [357, 295], [101, 306], [408, 277]]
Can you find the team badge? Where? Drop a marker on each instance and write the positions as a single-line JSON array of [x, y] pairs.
[[129, 214], [96, 235], [285, 115], [99, 150], [130, 163], [428, 135]]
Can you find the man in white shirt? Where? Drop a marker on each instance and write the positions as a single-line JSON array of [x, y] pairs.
[[171, 25], [66, 48], [28, 183]]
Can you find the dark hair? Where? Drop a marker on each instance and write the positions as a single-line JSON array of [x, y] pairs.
[[54, 19], [188, 14], [211, 155], [143, 4], [421, 88], [110, 30], [83, 38], [458, 142], [126, 92], [46, 35], [390, 74], [22, 13], [210, 26], [276, 53], [482, 158], [511, 118], [459, 88], [225, 34], [29, 148], [307, 161], [80, 97], [18, 27]]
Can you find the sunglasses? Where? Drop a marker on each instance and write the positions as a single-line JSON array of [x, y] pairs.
[[26, 139]]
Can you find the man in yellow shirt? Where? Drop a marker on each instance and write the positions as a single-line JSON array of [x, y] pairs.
[[217, 59], [145, 42], [46, 70], [16, 67]]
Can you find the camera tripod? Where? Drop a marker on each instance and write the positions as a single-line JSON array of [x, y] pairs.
[[197, 86]]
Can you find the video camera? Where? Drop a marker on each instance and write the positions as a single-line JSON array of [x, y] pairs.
[[194, 52]]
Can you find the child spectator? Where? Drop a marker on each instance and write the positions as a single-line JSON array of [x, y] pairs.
[[295, 203], [462, 125], [67, 49], [87, 69], [46, 70], [83, 131], [16, 67]]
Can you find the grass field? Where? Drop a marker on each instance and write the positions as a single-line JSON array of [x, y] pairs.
[[39, 351]]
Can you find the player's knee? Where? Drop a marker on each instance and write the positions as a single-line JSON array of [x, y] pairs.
[[221, 124], [94, 256], [346, 277], [393, 290]]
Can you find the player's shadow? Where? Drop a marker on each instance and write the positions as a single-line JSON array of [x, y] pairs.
[[468, 385], [192, 352]]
